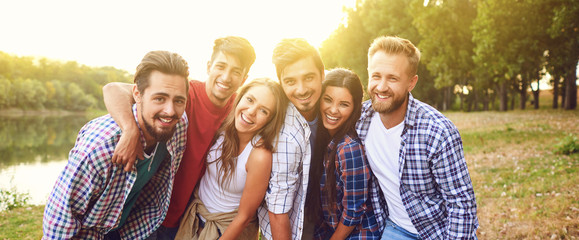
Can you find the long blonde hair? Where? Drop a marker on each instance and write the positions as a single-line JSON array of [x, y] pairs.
[[230, 144]]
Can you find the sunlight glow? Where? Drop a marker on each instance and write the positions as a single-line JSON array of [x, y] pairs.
[[119, 33]]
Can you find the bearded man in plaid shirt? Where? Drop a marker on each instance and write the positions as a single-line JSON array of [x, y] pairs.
[[94, 199], [421, 185]]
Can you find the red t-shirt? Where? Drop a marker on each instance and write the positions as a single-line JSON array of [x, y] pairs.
[[204, 120]]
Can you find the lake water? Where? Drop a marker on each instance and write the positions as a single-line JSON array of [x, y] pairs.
[[33, 152]]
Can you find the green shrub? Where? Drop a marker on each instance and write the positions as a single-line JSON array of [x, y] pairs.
[[11, 199], [568, 145]]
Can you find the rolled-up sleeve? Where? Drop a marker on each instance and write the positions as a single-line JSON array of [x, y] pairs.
[[355, 176], [285, 172]]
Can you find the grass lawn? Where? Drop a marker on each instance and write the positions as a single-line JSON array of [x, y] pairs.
[[523, 189], [22, 223]]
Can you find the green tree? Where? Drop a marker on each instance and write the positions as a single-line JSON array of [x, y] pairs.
[[509, 42], [447, 44], [348, 45], [564, 47], [50, 83], [76, 99]]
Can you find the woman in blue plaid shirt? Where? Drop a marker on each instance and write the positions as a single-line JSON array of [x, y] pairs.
[[340, 173]]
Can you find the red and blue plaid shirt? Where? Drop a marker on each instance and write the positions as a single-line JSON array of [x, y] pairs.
[[435, 185], [353, 206], [88, 197]]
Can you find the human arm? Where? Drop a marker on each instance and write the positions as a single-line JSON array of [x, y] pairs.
[[283, 184], [342, 232], [118, 98], [452, 176], [258, 169], [69, 200], [280, 226], [354, 174]]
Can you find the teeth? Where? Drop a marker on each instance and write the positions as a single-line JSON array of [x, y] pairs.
[[165, 120], [381, 96], [221, 85], [245, 119], [303, 98], [331, 118]]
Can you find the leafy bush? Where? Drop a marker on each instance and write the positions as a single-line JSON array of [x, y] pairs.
[[11, 199], [568, 145]]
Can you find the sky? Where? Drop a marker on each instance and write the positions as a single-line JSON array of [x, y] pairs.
[[119, 33]]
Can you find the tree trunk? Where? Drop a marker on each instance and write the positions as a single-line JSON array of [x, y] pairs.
[[555, 92], [523, 93], [571, 88], [536, 95], [503, 96], [513, 94]]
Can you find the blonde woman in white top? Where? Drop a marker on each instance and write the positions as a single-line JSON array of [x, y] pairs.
[[238, 166]]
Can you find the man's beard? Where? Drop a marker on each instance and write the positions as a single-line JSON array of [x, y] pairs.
[[385, 107], [159, 136]]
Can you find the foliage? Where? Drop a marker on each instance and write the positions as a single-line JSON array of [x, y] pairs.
[[11, 199], [476, 50], [568, 145], [39, 83]]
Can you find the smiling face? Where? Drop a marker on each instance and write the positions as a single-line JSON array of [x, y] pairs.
[[389, 83], [336, 106], [161, 105], [225, 76], [302, 83], [254, 110]]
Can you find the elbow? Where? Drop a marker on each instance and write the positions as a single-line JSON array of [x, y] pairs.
[[109, 87], [244, 220]]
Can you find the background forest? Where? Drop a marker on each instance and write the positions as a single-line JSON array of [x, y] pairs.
[[476, 54], [38, 83]]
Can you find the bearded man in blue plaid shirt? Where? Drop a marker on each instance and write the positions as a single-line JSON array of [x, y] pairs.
[[421, 186]]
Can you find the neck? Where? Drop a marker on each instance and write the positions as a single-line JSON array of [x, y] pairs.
[[150, 147], [310, 115], [243, 141], [217, 102], [395, 117]]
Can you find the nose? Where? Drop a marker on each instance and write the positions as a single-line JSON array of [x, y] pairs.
[[169, 108], [382, 85], [252, 110], [301, 88], [333, 109], [225, 76]]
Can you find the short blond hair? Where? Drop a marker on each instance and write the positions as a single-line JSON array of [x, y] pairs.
[[397, 45]]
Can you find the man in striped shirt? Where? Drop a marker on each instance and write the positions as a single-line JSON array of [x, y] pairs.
[[95, 199], [421, 185]]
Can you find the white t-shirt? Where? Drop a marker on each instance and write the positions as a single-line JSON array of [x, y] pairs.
[[382, 150], [214, 197]]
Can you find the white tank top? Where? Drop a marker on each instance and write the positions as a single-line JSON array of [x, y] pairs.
[[216, 198]]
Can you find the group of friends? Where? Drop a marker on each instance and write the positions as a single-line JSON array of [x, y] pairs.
[[302, 157]]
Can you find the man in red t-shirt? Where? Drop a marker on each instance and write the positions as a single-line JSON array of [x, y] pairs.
[[208, 104]]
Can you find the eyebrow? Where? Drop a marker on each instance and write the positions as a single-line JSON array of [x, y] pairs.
[[225, 63], [266, 108], [164, 94]]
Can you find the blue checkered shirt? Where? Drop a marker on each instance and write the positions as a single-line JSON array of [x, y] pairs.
[[435, 185], [289, 175], [352, 207], [89, 195]]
